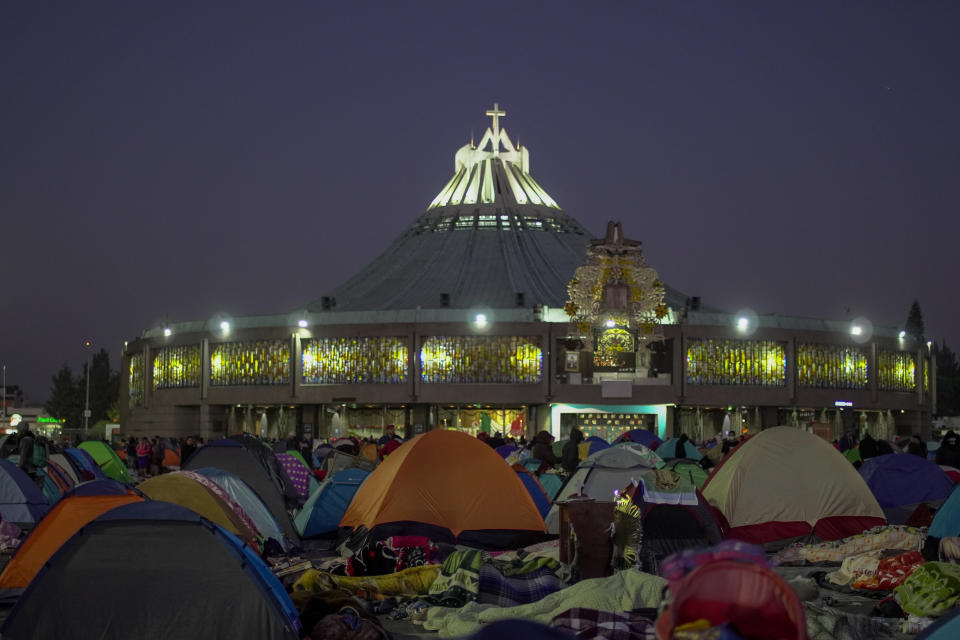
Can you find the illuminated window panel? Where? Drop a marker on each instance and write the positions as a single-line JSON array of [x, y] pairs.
[[896, 371], [737, 362], [177, 367], [260, 362], [136, 380], [375, 360], [828, 366], [926, 375], [481, 359]]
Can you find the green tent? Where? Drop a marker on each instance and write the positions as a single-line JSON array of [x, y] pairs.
[[107, 458], [690, 471]]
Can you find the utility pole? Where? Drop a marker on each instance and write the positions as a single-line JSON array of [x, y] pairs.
[[4, 393], [86, 406]]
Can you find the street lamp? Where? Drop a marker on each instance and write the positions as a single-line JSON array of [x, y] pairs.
[[86, 405]]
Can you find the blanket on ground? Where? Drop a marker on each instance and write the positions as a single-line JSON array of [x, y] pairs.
[[930, 590], [827, 623], [890, 572], [504, 581], [588, 624], [408, 583], [625, 591], [887, 537], [505, 591]]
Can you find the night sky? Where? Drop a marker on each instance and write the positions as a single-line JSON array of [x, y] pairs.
[[164, 160]]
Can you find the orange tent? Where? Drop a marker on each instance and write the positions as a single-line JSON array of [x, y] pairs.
[[66, 517], [447, 479]]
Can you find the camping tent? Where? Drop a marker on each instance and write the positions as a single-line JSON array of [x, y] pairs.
[[269, 461], [668, 450], [901, 482], [75, 510], [66, 464], [758, 602], [453, 486], [603, 473], [159, 556], [327, 504], [298, 474], [505, 450], [536, 490], [21, 501], [642, 436], [246, 463], [84, 462], [263, 520], [181, 489], [690, 470], [785, 482], [590, 446], [107, 459]]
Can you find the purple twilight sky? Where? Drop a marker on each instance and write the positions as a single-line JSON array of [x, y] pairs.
[[179, 159]]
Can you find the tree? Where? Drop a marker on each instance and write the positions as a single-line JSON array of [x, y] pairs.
[[948, 381], [66, 398], [914, 326], [104, 386]]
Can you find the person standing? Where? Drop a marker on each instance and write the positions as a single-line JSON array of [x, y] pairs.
[[144, 451], [187, 450], [131, 450], [25, 448], [571, 451]]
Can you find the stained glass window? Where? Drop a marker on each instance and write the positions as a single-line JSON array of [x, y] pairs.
[[136, 380], [896, 371], [926, 374], [830, 366], [737, 362], [483, 359], [248, 363], [177, 367], [374, 360]]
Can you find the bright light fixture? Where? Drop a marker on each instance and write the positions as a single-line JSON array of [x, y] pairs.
[[167, 332], [611, 323], [743, 323], [480, 320], [856, 330], [929, 344], [903, 334], [225, 326], [302, 324]]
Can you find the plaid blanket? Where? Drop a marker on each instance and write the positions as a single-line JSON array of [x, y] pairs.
[[609, 625], [510, 591]]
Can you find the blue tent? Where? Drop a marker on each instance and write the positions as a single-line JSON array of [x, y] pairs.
[[536, 490], [644, 437], [85, 462], [325, 507], [899, 480], [505, 450], [668, 449], [248, 499], [221, 588], [21, 500], [552, 483], [947, 627], [946, 522]]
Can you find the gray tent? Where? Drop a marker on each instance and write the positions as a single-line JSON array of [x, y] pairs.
[[234, 457], [157, 571]]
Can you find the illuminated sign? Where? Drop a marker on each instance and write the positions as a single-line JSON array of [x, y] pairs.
[[15, 419], [47, 420], [843, 403]]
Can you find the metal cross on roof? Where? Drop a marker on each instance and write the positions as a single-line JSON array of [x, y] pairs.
[[496, 114]]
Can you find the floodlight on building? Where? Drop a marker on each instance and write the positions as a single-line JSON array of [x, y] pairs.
[[929, 344], [611, 324], [167, 332], [746, 321], [224, 326], [743, 323], [480, 320], [302, 323], [903, 334], [856, 330]]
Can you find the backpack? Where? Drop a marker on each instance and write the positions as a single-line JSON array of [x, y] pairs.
[[39, 456]]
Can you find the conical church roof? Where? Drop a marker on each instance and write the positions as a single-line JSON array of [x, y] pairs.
[[492, 238]]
